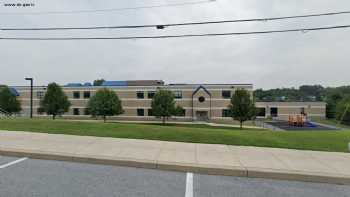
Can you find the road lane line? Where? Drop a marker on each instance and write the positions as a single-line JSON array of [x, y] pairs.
[[189, 185], [13, 162]]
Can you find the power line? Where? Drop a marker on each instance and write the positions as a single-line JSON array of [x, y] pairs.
[[110, 10], [177, 24], [303, 30]]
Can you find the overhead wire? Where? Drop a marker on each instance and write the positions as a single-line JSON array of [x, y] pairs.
[[162, 26], [303, 30]]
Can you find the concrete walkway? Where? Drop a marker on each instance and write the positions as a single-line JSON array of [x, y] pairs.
[[199, 158]]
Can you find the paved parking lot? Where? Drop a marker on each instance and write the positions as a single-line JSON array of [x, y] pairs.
[[39, 178]]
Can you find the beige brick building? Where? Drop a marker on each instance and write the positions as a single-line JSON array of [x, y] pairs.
[[205, 102]]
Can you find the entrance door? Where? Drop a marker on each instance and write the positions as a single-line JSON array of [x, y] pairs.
[[202, 116]]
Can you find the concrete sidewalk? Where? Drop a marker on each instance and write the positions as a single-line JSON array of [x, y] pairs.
[[199, 158]]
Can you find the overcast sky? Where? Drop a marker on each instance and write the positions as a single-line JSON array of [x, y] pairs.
[[267, 61]]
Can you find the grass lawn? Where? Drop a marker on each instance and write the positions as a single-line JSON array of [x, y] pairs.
[[332, 122], [306, 140]]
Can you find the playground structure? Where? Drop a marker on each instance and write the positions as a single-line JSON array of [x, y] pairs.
[[298, 120]]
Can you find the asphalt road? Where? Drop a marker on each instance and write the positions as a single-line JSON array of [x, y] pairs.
[[41, 178]]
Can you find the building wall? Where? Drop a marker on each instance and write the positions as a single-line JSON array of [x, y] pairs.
[[214, 103], [131, 103], [285, 109]]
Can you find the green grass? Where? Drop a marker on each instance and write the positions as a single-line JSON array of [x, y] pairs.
[[306, 140], [332, 122]]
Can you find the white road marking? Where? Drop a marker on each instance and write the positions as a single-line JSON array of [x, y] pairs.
[[13, 162], [189, 185]]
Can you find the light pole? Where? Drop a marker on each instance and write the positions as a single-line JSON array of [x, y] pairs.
[[31, 95]]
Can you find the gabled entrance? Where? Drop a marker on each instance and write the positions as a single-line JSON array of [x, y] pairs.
[[201, 104], [202, 116]]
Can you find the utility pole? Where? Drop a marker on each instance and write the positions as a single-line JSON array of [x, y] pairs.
[[31, 95]]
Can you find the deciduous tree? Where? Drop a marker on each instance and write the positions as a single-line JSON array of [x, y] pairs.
[[242, 106], [8, 101], [55, 102], [163, 104], [105, 103]]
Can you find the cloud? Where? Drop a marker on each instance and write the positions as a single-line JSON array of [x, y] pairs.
[[267, 61]]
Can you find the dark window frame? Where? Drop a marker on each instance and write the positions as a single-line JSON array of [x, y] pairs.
[[150, 112], [150, 94], [140, 112], [76, 95], [87, 93], [226, 113], [76, 111], [261, 111], [87, 111], [179, 95], [139, 93], [183, 113], [40, 94], [226, 94], [274, 111]]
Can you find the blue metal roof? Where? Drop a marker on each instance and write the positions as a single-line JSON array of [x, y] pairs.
[[73, 85], [115, 83]]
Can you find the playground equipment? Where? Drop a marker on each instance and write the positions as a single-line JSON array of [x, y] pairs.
[[298, 120]]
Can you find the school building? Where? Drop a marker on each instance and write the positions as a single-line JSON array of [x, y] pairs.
[[201, 102]]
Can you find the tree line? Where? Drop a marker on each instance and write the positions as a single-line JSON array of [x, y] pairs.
[[337, 98]]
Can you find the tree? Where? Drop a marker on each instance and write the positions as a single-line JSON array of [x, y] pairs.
[[311, 92], [98, 82], [55, 102], [163, 104], [179, 111], [343, 110], [105, 103], [8, 101], [242, 106], [332, 99]]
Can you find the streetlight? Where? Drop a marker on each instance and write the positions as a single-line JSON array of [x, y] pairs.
[[31, 95]]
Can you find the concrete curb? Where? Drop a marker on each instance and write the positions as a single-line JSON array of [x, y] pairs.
[[195, 168]]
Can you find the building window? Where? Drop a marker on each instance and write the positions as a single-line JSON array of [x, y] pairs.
[[76, 95], [226, 94], [40, 111], [150, 112], [178, 94], [260, 112], [76, 111], [201, 99], [226, 113], [274, 111], [40, 95], [140, 95], [140, 112], [86, 95], [87, 111], [151, 94], [182, 112]]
